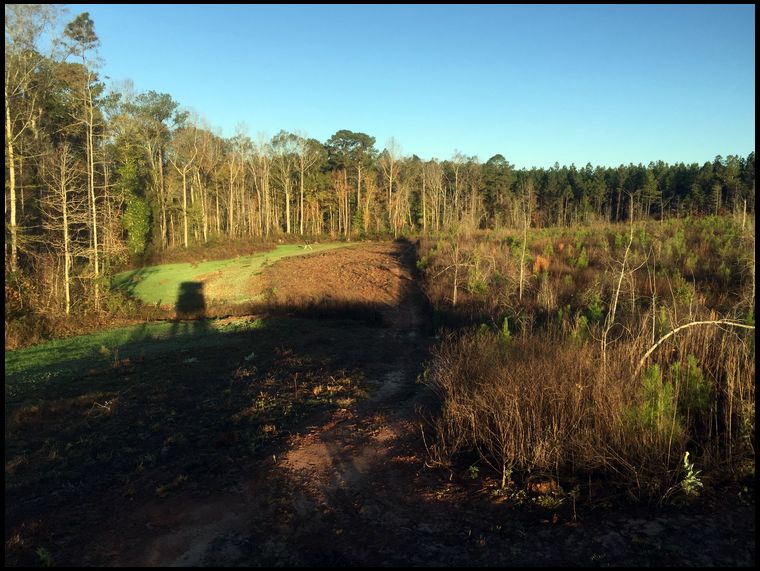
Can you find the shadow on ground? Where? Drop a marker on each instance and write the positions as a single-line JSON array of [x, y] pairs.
[[289, 440]]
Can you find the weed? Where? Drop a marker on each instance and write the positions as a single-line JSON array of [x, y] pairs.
[[44, 556], [549, 501], [691, 484], [161, 491]]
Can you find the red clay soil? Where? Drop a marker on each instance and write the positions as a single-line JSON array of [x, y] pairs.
[[354, 489], [365, 273]]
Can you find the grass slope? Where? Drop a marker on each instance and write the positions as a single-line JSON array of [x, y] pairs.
[[224, 280]]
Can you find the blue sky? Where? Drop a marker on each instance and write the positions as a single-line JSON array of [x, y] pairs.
[[538, 84]]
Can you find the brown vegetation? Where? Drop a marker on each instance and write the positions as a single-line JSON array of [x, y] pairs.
[[534, 389]]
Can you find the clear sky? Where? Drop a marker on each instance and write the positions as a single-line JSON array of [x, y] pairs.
[[538, 84]]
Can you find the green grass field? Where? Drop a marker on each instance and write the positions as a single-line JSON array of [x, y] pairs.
[[224, 280], [62, 359]]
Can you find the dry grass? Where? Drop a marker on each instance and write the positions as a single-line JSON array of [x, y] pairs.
[[539, 404], [543, 401]]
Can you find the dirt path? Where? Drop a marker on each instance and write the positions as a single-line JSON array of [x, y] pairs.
[[287, 510], [353, 490]]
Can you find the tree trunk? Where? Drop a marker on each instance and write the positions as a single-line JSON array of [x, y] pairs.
[[12, 183], [204, 211], [300, 200], [359, 190], [90, 152], [287, 211], [162, 199], [231, 201], [66, 256], [424, 205], [218, 227], [456, 273], [184, 204]]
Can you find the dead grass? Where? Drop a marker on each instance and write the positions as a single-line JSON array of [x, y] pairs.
[[541, 400], [537, 404]]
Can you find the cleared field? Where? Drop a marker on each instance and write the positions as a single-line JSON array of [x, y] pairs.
[[249, 440], [222, 280]]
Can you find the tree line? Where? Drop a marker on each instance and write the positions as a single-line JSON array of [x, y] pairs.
[[96, 176]]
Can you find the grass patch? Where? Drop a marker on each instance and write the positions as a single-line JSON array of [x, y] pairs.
[[60, 358]]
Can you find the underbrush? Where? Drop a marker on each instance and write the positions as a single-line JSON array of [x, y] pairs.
[[583, 374], [25, 327], [540, 405]]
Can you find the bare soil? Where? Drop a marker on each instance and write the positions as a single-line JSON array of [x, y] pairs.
[[352, 487]]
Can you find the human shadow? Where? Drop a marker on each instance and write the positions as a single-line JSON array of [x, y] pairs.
[[190, 310]]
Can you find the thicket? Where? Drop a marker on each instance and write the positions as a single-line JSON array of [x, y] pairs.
[[584, 375]]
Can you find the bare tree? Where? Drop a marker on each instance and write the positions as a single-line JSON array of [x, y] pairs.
[[81, 33], [527, 207], [64, 207], [389, 166], [24, 25], [433, 172], [184, 153], [286, 158], [309, 152]]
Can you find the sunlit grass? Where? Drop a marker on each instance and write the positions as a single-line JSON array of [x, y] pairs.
[[225, 280]]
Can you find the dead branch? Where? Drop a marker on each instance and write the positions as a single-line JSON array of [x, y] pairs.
[[679, 328]]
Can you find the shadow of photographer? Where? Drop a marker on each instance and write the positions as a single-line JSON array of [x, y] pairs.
[[190, 309]]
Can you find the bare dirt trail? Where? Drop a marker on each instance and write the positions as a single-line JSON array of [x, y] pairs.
[[294, 507], [353, 490]]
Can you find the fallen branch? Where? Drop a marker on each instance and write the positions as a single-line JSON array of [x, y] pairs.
[[677, 329]]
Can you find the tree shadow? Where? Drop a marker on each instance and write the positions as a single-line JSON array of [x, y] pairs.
[[128, 281]]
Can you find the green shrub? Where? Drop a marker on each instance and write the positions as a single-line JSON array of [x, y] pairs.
[[582, 261], [683, 291], [595, 309], [581, 330], [579, 237], [694, 393], [563, 313], [644, 239], [655, 411], [691, 262]]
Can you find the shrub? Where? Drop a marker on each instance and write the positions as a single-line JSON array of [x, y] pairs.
[[595, 309], [655, 411], [694, 388], [581, 261]]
